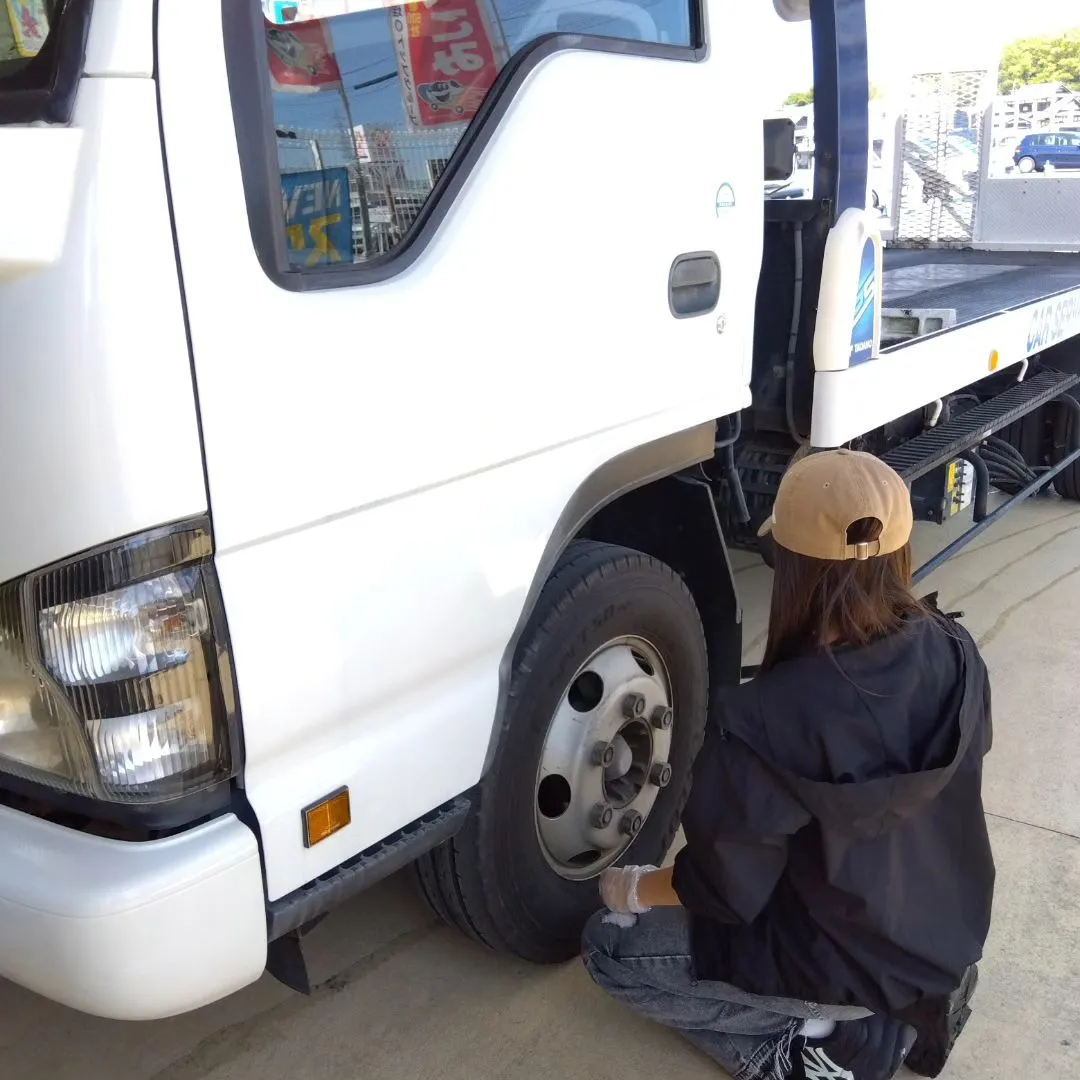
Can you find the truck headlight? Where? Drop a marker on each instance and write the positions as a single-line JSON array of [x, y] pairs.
[[114, 674], [148, 627]]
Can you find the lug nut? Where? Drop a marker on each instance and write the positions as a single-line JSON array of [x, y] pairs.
[[660, 774], [600, 816], [633, 706], [662, 717], [630, 823], [603, 754]]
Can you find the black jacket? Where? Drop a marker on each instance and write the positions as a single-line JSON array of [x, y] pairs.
[[837, 850]]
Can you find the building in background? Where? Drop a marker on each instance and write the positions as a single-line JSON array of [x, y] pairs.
[[1030, 110], [391, 173], [1042, 107]]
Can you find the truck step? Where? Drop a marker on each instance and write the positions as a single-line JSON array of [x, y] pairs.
[[309, 902], [944, 443]]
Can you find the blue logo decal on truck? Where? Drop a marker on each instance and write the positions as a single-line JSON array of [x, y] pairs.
[[862, 329]]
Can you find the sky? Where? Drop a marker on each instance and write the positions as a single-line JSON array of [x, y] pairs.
[[930, 35]]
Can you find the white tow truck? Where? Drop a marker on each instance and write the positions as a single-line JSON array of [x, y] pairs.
[[372, 459]]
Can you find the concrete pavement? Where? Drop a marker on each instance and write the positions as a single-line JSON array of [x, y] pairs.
[[403, 998]]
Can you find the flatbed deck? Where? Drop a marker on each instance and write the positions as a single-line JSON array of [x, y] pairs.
[[975, 284], [1005, 308]]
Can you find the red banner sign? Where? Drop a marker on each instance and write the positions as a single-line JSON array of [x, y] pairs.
[[447, 59], [302, 57]]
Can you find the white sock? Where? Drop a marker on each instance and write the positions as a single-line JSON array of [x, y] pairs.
[[818, 1029]]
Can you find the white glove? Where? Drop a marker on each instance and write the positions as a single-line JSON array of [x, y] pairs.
[[619, 889], [617, 918]]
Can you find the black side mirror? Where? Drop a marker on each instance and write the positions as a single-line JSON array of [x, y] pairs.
[[779, 149]]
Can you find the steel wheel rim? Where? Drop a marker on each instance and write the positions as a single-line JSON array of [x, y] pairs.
[[605, 758]]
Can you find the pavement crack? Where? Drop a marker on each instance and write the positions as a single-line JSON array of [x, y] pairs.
[[1007, 614], [976, 549], [1032, 825], [980, 585]]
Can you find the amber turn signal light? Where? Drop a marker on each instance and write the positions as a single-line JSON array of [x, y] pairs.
[[326, 817]]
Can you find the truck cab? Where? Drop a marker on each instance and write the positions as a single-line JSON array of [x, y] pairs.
[[325, 348], [374, 448]]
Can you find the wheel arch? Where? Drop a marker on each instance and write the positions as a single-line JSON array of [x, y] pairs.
[[641, 500]]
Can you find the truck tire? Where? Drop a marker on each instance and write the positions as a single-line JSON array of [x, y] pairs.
[[1067, 482], [613, 658]]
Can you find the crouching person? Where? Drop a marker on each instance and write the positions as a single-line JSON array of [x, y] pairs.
[[826, 914]]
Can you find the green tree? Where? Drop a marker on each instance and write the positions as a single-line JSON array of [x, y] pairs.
[[1041, 60], [802, 98]]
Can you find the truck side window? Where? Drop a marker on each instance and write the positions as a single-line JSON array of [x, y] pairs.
[[370, 105]]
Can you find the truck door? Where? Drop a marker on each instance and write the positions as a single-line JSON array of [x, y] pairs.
[[430, 255], [1070, 153]]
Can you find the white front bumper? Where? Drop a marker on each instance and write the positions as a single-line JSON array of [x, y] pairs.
[[125, 930]]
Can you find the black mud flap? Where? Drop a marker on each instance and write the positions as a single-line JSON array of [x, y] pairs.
[[285, 959]]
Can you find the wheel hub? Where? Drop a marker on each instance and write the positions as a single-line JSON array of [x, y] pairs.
[[605, 758], [622, 760]]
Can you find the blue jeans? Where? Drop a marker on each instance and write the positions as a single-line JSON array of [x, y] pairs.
[[647, 967]]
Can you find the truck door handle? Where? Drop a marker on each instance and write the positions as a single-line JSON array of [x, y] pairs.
[[694, 284]]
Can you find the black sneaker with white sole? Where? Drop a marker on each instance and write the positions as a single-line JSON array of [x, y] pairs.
[[870, 1049], [938, 1033]]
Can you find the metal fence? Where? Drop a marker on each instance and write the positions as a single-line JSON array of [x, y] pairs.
[[391, 175], [959, 176], [938, 167]]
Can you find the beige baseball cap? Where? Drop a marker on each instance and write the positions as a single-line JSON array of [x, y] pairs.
[[824, 494]]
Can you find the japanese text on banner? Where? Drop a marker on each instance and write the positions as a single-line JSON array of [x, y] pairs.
[[448, 57]]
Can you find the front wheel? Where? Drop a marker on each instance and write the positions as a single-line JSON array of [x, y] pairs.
[[606, 711]]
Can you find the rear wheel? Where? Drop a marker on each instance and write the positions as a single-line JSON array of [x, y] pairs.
[[1067, 482], [1026, 164], [606, 710]]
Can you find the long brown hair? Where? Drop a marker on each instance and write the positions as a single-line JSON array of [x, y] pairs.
[[818, 603]]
